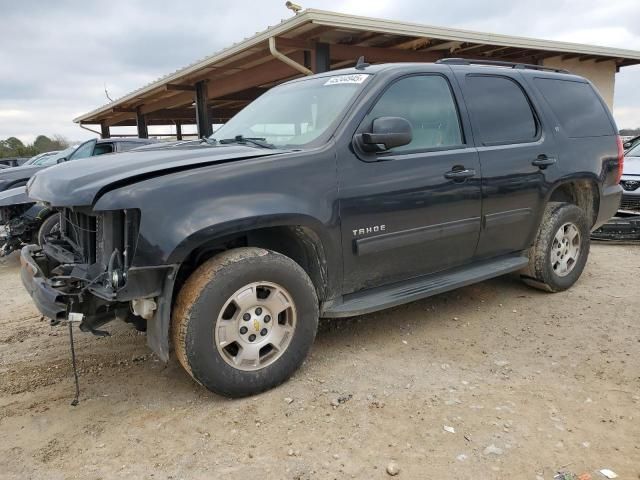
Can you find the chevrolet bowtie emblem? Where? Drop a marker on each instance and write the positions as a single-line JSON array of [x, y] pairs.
[[256, 325]]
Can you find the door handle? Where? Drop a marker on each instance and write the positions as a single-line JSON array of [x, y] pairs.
[[460, 174], [543, 161]]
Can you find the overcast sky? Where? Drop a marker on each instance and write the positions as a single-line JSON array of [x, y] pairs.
[[57, 56]]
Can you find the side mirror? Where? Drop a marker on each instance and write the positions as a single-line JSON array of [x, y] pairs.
[[386, 133], [61, 160], [626, 145]]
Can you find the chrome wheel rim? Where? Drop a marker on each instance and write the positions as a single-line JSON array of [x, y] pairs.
[[255, 326], [565, 249]]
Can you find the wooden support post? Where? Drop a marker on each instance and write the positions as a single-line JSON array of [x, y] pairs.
[[178, 131], [141, 123], [202, 111], [105, 131], [323, 58]]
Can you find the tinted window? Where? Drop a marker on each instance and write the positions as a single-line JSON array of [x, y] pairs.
[[576, 106], [83, 151], [500, 110], [103, 148], [427, 103], [125, 146]]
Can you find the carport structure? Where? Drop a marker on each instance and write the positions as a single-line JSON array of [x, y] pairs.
[[214, 89]]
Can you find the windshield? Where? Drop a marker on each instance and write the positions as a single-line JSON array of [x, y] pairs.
[[295, 113], [53, 159], [634, 152]]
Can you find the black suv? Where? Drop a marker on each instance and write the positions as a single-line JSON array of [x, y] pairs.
[[332, 195]]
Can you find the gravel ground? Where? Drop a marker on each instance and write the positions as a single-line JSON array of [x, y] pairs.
[[494, 380]]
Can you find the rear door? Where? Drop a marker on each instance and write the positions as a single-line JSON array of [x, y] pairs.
[[516, 155], [412, 210]]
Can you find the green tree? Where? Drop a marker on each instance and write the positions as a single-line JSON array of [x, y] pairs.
[[43, 143]]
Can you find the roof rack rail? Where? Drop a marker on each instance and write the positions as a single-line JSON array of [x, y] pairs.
[[499, 63]]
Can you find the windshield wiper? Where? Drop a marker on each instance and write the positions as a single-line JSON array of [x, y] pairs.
[[208, 140], [242, 140]]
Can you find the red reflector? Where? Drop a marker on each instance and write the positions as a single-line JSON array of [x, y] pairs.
[[620, 158]]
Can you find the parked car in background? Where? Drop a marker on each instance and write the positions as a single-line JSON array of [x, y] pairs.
[[42, 158], [630, 181], [630, 143], [333, 195], [24, 221], [19, 176]]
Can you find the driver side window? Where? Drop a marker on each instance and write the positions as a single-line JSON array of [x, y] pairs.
[[85, 150], [427, 103]]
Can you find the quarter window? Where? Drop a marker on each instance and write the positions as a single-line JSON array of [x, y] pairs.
[[500, 110], [427, 103], [578, 108]]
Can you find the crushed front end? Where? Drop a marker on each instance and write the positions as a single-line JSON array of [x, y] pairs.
[[87, 270]]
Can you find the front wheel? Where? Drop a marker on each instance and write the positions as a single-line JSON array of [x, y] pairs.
[[244, 321], [561, 248], [50, 226]]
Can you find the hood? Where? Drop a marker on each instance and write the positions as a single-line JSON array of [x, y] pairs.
[[14, 196], [631, 166], [12, 175], [80, 182]]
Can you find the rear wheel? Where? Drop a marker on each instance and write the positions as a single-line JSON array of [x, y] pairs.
[[561, 248], [50, 225], [244, 321]]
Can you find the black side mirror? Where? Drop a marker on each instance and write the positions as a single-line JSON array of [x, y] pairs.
[[61, 160], [626, 145], [386, 133]]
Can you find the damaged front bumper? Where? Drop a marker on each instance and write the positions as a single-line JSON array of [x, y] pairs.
[[47, 299], [60, 289]]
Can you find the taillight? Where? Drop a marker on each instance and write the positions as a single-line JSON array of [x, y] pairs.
[[620, 158]]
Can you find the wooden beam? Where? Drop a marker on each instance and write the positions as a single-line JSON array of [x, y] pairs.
[[375, 54], [182, 88], [178, 100], [141, 123], [104, 130], [123, 110], [271, 71], [202, 110], [607, 59]]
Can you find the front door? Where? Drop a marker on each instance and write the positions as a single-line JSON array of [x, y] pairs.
[[415, 209]]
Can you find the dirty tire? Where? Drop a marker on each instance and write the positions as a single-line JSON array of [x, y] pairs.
[[539, 273], [199, 305], [47, 227]]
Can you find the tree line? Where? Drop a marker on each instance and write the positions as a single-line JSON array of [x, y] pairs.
[[13, 147]]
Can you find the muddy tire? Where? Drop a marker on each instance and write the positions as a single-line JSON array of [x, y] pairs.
[[48, 226], [561, 248], [244, 321]]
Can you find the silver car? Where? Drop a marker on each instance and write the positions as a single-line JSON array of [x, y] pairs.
[[631, 181]]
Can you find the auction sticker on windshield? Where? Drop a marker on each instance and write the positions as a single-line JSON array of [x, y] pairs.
[[340, 79]]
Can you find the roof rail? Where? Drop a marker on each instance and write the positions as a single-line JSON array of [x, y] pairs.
[[498, 63]]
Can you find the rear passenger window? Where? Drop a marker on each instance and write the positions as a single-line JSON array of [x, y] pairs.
[[576, 106], [500, 110], [427, 103]]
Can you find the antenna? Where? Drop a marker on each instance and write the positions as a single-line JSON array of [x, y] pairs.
[[361, 64]]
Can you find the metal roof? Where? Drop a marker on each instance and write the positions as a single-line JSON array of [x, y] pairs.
[[169, 98]]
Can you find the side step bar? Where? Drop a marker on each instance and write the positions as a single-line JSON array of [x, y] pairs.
[[422, 287]]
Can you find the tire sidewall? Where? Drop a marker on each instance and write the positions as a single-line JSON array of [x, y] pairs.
[[46, 227], [566, 214], [206, 363]]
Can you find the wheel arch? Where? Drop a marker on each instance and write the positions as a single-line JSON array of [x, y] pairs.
[[298, 240], [580, 191]]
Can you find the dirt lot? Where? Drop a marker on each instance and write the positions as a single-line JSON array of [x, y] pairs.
[[530, 382]]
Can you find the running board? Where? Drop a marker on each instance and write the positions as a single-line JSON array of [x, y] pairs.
[[407, 291]]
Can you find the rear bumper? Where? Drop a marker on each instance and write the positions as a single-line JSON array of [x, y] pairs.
[[47, 299], [609, 204]]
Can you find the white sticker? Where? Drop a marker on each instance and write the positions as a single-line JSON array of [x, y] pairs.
[[340, 79]]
